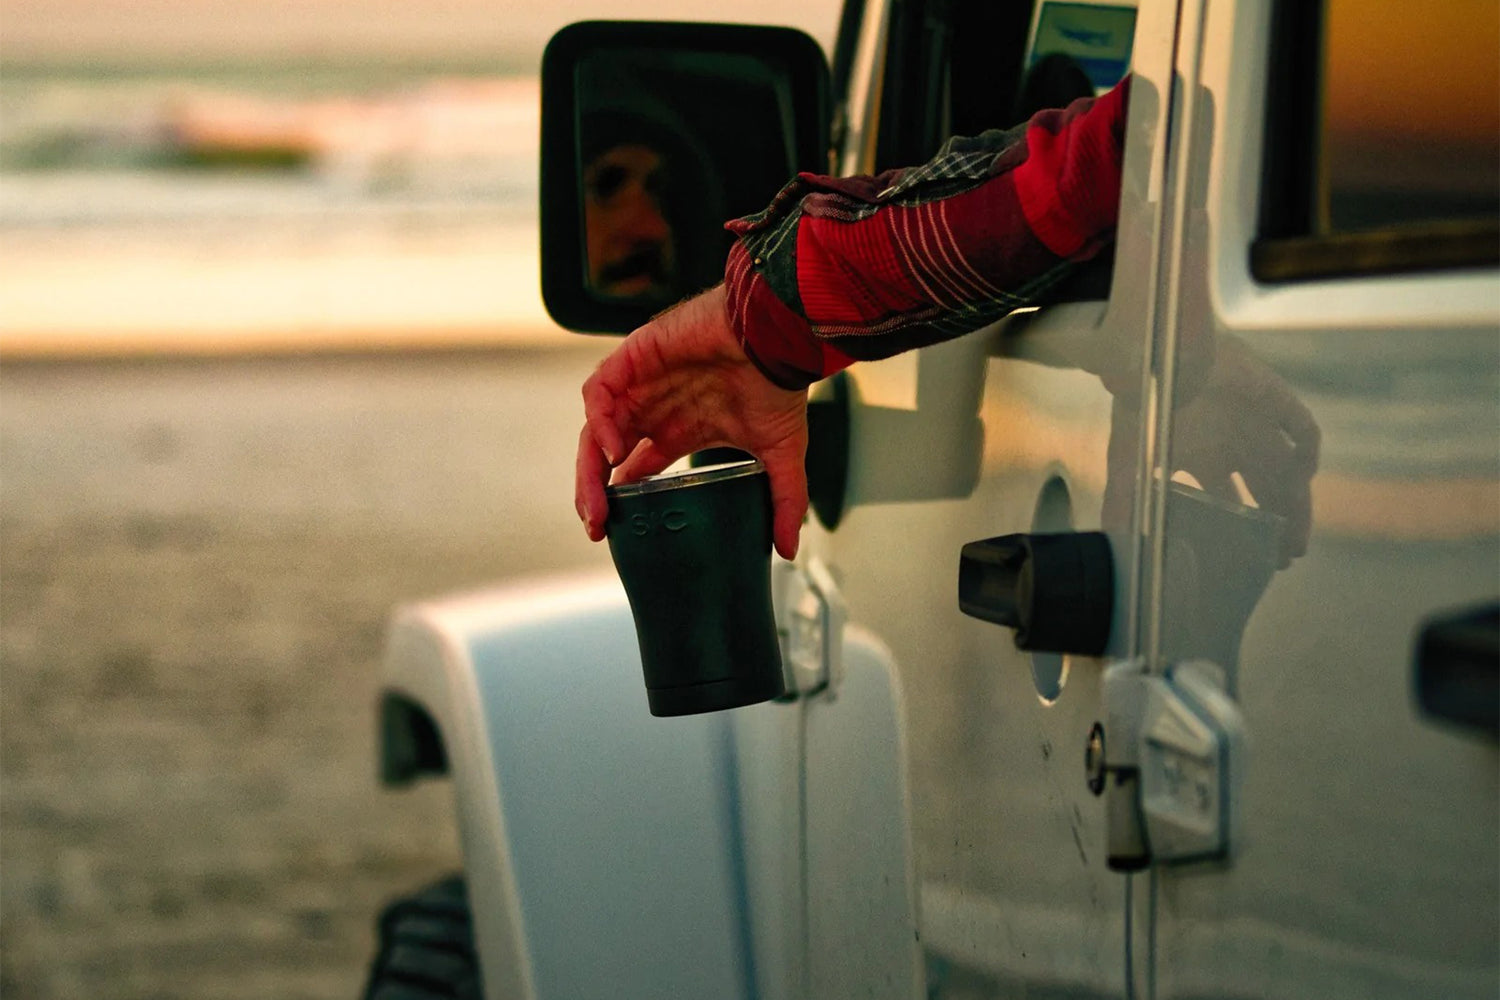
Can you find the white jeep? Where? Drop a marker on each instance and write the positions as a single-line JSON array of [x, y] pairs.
[[1142, 645]]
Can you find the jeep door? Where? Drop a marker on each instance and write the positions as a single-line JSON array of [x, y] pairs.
[[1331, 245], [1011, 430]]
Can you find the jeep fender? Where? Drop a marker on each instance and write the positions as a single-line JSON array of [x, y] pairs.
[[611, 853]]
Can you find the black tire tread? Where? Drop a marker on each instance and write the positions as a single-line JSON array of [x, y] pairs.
[[426, 947]]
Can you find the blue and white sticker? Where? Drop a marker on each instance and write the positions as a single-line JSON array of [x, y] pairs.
[[1098, 37]]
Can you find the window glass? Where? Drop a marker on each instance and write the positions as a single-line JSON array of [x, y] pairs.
[[1097, 37], [1411, 113]]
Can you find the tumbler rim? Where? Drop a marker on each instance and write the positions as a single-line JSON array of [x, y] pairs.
[[684, 478]]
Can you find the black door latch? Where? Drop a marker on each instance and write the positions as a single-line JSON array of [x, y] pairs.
[[1057, 591]]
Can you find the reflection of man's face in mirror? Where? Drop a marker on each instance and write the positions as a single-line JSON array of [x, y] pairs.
[[630, 243]]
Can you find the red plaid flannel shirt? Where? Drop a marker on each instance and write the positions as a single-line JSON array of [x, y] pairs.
[[838, 270]]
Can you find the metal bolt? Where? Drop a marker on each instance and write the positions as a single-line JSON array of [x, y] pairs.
[[1093, 760]]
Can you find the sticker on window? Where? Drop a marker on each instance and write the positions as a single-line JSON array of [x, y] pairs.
[[1095, 36]]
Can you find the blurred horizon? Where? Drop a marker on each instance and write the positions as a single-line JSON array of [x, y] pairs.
[[182, 176], [200, 559], [122, 33]]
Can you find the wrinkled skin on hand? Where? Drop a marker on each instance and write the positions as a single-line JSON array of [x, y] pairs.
[[680, 384]]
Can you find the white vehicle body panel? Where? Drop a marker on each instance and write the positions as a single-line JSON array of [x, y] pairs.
[[1370, 864], [597, 842], [611, 853], [922, 827]]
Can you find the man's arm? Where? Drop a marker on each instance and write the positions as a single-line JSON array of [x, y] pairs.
[[844, 269]]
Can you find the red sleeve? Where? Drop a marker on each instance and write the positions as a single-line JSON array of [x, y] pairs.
[[844, 269]]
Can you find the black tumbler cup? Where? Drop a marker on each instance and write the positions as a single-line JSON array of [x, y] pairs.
[[694, 552]]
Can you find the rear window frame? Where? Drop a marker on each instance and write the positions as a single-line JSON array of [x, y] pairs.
[[1288, 246]]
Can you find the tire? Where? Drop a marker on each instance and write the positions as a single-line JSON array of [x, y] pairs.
[[426, 947]]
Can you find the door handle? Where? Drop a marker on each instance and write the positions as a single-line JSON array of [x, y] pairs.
[[1457, 671]]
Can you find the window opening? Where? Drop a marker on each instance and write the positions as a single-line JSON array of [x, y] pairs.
[[1383, 139]]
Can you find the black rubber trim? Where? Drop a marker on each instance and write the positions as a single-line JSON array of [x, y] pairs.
[[828, 452], [410, 744], [426, 949], [1434, 246], [1287, 191]]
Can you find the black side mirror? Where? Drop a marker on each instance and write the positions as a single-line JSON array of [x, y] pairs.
[[653, 135]]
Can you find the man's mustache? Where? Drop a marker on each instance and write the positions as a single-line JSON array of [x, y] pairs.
[[649, 260]]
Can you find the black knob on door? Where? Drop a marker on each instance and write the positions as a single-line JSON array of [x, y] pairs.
[[1056, 591]]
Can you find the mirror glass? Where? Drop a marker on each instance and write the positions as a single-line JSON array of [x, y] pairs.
[[669, 146], [661, 135]]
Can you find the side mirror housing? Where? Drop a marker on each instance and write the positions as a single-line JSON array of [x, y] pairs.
[[653, 135]]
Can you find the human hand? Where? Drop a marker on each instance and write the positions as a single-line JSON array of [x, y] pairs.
[[680, 384]]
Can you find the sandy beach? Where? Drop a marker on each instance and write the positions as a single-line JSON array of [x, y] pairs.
[[273, 361], [198, 561]]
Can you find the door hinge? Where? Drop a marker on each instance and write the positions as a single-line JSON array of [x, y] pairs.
[[810, 618], [1169, 759]]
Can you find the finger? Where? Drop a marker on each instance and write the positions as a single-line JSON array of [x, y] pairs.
[[590, 473], [646, 460], [671, 438], [613, 398], [600, 416], [788, 475]]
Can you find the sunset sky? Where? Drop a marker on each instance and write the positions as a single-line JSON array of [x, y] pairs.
[[1395, 67]]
